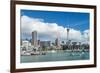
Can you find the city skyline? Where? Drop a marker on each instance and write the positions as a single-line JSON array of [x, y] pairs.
[[51, 25]]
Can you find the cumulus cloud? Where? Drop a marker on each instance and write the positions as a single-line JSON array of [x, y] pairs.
[[86, 35], [50, 30]]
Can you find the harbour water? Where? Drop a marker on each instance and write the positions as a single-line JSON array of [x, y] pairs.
[[56, 56]]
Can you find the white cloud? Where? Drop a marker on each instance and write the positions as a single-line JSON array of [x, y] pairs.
[[50, 30], [86, 35]]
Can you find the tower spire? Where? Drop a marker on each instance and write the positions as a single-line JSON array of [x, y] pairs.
[[68, 33]]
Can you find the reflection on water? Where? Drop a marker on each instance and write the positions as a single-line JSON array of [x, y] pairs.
[[56, 56]]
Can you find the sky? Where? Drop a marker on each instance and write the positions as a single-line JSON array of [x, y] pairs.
[[52, 24]]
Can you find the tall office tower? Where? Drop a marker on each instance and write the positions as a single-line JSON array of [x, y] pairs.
[[34, 39], [57, 43], [38, 42]]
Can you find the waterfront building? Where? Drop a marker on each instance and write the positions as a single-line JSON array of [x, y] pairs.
[[25, 45], [57, 44], [34, 38], [38, 42], [45, 44]]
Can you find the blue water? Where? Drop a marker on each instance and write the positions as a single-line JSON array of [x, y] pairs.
[[58, 56]]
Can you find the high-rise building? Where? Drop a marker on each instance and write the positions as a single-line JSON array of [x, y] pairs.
[[57, 43], [34, 39], [38, 42]]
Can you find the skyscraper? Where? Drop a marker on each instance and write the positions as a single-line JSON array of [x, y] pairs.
[[34, 38], [57, 43]]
